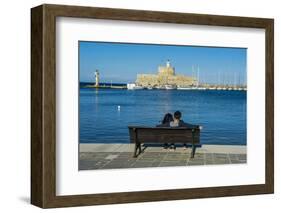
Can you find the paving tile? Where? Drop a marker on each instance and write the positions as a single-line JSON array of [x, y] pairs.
[[155, 164], [242, 157], [237, 162], [209, 155], [86, 165], [195, 163], [111, 167], [141, 165], [221, 162], [170, 164], [220, 155], [233, 156]]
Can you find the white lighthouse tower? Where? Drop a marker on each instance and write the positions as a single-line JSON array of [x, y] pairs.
[[97, 76]]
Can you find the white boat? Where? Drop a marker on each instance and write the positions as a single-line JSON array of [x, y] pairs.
[[160, 87], [168, 87], [133, 86], [184, 88], [201, 88], [138, 87]]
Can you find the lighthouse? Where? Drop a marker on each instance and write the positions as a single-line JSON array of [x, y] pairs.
[[97, 76]]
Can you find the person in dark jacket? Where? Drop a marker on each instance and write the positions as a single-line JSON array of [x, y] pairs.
[[177, 122], [168, 118]]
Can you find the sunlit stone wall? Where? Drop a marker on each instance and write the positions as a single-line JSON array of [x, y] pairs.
[[166, 76]]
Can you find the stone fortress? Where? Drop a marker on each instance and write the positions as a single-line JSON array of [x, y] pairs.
[[166, 76]]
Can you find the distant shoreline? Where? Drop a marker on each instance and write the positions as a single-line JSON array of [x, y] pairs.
[[122, 86], [102, 83]]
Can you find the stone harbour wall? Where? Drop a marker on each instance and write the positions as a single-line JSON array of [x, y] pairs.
[[161, 80]]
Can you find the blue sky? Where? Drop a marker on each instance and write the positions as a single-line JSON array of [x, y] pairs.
[[121, 62]]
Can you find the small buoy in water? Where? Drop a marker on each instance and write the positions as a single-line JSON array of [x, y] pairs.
[[119, 107]]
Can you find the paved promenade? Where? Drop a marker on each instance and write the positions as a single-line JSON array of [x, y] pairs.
[[116, 156]]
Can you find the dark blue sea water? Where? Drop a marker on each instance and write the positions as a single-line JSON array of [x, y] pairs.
[[221, 113]]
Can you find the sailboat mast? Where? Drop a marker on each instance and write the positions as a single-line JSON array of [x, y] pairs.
[[193, 76], [198, 79]]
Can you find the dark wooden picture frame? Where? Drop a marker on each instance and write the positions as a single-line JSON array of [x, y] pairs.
[[43, 105]]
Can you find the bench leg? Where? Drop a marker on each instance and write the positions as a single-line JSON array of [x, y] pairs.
[[193, 147], [193, 151], [135, 152], [139, 148], [136, 142]]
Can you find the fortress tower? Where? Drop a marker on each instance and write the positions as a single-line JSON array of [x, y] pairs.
[[166, 70]]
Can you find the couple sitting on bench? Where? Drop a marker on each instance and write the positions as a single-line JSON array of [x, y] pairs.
[[174, 121]]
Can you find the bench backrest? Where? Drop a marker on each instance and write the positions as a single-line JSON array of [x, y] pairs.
[[164, 134]]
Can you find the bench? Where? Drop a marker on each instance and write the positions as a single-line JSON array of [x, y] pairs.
[[185, 135]]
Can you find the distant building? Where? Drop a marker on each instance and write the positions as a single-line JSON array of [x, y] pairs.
[[131, 86], [166, 76]]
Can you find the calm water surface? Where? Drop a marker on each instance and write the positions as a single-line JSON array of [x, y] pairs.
[[221, 113]]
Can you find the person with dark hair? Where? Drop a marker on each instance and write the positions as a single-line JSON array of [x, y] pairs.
[[177, 122], [168, 118]]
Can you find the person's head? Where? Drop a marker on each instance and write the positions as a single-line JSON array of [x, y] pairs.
[[167, 118], [177, 115]]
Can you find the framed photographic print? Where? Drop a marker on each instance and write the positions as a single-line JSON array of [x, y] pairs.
[[136, 106]]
